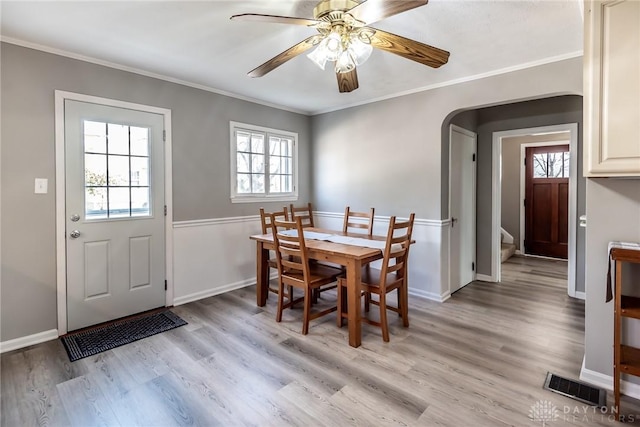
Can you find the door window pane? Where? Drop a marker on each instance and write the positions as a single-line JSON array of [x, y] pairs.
[[140, 201], [139, 141], [96, 202], [118, 170], [119, 202], [95, 137], [118, 139], [139, 171]]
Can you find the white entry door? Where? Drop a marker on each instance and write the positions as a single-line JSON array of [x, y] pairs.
[[462, 207], [114, 169]]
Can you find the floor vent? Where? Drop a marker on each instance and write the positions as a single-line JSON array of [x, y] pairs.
[[576, 390]]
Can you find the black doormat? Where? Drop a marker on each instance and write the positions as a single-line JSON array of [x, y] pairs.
[[87, 343], [576, 390]]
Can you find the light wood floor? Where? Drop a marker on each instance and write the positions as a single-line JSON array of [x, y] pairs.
[[479, 359]]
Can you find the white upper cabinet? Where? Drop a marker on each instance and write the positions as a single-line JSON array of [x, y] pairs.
[[612, 88]]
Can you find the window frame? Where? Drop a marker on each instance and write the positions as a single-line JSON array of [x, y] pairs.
[[262, 197]]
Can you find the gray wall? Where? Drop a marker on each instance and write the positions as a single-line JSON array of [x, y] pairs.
[[390, 154], [613, 214], [201, 171], [511, 165]]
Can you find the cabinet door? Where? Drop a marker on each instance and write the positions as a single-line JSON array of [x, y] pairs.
[[612, 88]]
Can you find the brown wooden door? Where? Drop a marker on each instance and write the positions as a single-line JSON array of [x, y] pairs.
[[547, 201]]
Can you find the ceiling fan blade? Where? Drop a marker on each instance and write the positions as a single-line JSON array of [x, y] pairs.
[[410, 49], [288, 54], [371, 11], [256, 17], [347, 82]]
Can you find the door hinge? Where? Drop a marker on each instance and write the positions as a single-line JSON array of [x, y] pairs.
[[165, 210], [474, 157], [165, 285], [524, 202], [473, 266], [525, 161], [164, 135]]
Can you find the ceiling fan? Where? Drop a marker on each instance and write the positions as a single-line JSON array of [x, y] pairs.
[[345, 38]]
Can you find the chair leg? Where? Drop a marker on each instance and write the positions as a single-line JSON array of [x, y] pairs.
[[340, 305], [403, 304], [383, 317], [307, 311], [280, 302]]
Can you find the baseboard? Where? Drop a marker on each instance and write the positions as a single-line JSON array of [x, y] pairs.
[[484, 278], [606, 381], [215, 291], [429, 295], [22, 342]]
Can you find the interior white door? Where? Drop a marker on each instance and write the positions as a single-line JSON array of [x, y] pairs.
[[114, 172], [462, 207]]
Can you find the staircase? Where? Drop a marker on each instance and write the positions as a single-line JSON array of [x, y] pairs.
[[507, 248]]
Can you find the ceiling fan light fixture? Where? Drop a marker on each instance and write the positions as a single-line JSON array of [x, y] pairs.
[[359, 50], [345, 62], [319, 55], [333, 46]]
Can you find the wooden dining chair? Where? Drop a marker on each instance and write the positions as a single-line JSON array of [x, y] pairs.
[[295, 270], [266, 218], [305, 213], [392, 276], [349, 222]]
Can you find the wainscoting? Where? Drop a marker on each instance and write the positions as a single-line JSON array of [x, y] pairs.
[[216, 256]]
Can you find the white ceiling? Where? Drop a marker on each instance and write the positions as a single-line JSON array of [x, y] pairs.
[[195, 42]]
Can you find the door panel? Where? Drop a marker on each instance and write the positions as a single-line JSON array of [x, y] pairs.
[[114, 172], [462, 207], [547, 201]]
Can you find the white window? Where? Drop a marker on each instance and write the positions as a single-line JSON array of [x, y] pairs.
[[263, 164]]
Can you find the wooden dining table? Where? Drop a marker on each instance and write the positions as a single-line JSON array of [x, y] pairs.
[[353, 258]]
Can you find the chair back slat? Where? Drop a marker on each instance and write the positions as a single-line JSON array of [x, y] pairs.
[[305, 213], [396, 251], [266, 218], [349, 215]]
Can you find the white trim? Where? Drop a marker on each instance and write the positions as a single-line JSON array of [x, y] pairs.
[[215, 221], [116, 66], [212, 292], [506, 237], [606, 381], [28, 340], [496, 196], [429, 295], [267, 133], [141, 72], [484, 278], [61, 259], [580, 295]]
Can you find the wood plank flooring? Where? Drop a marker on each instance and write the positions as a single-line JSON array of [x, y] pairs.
[[479, 359]]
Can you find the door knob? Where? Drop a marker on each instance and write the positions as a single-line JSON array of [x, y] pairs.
[[75, 217], [75, 234]]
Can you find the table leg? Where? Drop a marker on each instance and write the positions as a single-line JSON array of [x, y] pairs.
[[354, 272], [262, 279]]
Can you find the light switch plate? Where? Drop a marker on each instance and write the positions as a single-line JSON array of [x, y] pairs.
[[42, 185]]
